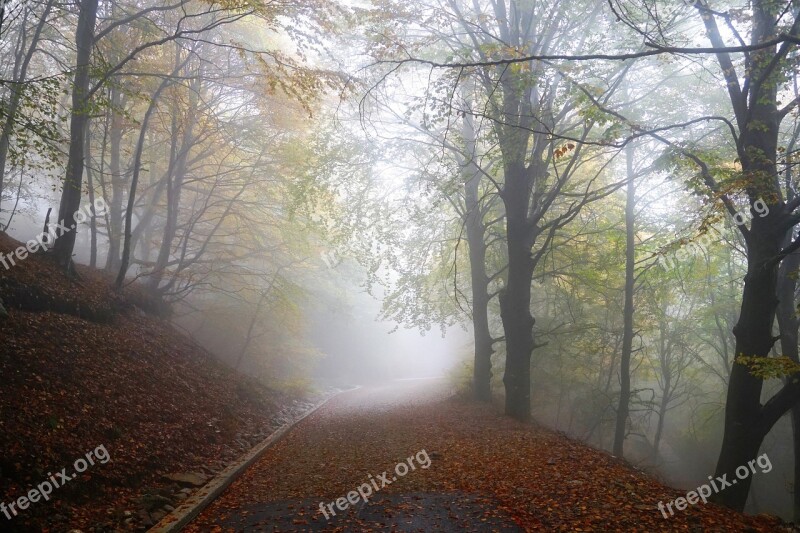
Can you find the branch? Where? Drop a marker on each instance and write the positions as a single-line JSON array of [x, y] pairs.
[[177, 35], [785, 252], [776, 58], [131, 18], [707, 177], [785, 110], [778, 405], [655, 50], [738, 100]]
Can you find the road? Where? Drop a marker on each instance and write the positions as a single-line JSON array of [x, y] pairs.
[[373, 443]]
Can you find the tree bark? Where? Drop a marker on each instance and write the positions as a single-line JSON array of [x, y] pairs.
[[79, 118], [476, 234], [627, 332], [90, 187], [744, 431], [515, 298], [788, 325], [662, 415], [137, 166], [115, 171], [174, 186]]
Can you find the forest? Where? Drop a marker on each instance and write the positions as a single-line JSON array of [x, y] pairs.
[[581, 217]]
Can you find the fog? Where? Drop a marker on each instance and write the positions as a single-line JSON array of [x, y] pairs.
[[582, 215]]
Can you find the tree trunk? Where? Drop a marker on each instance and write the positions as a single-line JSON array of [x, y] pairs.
[[79, 118], [664, 349], [476, 233], [788, 325], [627, 333], [515, 299], [174, 184], [137, 165], [249, 337], [745, 426], [796, 473], [662, 415], [484, 343], [16, 89], [93, 216], [115, 171]]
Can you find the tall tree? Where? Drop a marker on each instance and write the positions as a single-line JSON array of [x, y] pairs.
[[628, 309], [788, 321], [79, 119], [26, 47], [758, 117], [755, 73], [476, 229], [529, 105]]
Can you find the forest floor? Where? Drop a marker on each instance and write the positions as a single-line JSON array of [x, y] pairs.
[[485, 473], [165, 412]]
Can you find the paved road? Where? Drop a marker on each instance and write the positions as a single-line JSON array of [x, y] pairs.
[[373, 443]]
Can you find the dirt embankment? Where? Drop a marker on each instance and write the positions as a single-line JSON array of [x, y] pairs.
[[83, 370]]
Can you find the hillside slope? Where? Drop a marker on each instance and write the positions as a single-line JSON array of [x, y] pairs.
[[84, 370]]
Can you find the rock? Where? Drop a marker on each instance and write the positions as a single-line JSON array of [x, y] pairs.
[[181, 496], [157, 515], [154, 501], [168, 508], [188, 479], [144, 518], [127, 514], [167, 491]]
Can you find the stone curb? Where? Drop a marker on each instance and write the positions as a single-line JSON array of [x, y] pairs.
[[194, 505]]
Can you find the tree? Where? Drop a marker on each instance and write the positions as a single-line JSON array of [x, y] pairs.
[[26, 48], [630, 281], [753, 80], [528, 106], [186, 26], [788, 322], [79, 118], [475, 211], [758, 117]]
